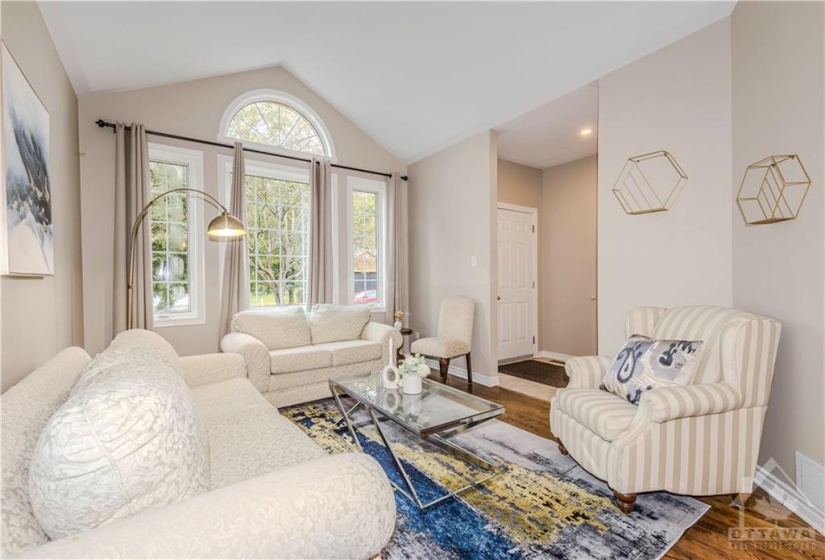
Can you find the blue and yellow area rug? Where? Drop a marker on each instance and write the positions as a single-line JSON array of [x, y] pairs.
[[542, 504]]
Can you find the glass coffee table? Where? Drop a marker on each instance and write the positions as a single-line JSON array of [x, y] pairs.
[[435, 415]]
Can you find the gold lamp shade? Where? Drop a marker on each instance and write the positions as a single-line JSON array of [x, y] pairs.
[[226, 225]]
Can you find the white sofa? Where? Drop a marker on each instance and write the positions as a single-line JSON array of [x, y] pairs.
[[291, 354], [273, 492]]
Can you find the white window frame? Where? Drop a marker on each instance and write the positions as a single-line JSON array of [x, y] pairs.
[[193, 160], [356, 183], [283, 98], [262, 169]]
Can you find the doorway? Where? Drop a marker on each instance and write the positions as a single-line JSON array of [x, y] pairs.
[[517, 293]]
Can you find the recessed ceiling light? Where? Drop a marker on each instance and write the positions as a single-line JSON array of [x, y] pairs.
[[586, 132]]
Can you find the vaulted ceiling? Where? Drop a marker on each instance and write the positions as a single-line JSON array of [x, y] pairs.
[[416, 77]]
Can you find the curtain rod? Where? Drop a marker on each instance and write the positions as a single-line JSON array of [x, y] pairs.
[[103, 124]]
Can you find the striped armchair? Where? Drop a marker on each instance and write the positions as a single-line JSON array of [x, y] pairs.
[[698, 439]]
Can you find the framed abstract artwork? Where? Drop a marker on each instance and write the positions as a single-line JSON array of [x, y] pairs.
[[26, 228]]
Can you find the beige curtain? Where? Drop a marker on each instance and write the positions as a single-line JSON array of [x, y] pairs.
[[234, 296], [132, 186], [320, 236], [397, 255]]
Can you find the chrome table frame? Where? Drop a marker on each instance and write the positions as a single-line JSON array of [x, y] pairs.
[[438, 436]]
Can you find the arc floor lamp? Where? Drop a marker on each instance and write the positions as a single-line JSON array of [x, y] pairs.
[[225, 226]]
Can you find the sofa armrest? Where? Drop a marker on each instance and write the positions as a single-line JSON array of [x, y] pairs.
[[586, 372], [686, 401], [340, 506], [254, 353], [382, 334], [206, 369]]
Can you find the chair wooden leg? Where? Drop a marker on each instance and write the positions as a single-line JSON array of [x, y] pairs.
[[444, 365], [469, 370], [563, 449], [741, 500], [626, 502]]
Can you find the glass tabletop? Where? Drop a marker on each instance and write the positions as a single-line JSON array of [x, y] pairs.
[[435, 409]]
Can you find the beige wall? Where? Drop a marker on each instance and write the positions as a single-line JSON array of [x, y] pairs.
[[778, 269], [452, 206], [568, 267], [519, 184], [676, 99], [191, 109], [42, 316]]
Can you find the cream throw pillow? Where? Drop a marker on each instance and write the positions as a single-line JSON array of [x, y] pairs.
[[278, 328], [332, 323], [128, 439]]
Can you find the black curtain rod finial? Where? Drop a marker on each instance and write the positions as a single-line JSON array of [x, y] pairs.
[[405, 178]]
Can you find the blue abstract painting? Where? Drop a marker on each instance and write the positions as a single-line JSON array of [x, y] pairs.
[[27, 229]]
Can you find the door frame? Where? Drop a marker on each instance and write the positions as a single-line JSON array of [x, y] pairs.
[[534, 213]]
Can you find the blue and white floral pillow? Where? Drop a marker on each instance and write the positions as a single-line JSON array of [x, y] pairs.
[[645, 364]]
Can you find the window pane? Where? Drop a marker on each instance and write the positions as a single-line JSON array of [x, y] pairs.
[[170, 239], [276, 124], [365, 254], [277, 237]]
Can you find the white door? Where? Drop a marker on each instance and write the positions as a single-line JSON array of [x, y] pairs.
[[516, 284]]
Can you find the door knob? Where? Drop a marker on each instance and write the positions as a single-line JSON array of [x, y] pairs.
[[498, 298]]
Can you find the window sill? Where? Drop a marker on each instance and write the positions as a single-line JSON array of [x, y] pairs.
[[162, 323]]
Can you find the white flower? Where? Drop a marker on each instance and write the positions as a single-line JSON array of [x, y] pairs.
[[423, 370]]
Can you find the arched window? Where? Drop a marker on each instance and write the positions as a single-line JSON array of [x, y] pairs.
[[276, 120]]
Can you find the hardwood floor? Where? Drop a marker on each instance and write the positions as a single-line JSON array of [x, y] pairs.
[[709, 538]]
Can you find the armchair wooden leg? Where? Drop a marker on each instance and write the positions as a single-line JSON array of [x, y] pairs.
[[563, 449], [741, 500], [626, 502], [444, 365], [469, 370]]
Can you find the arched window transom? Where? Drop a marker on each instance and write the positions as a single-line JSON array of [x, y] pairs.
[[275, 124], [278, 121]]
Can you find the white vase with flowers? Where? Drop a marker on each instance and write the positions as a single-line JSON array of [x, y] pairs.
[[413, 369]]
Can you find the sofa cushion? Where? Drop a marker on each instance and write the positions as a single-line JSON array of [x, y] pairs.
[[299, 359], [26, 408], [141, 338], [253, 441], [276, 327], [351, 351], [131, 438], [331, 323], [603, 413], [644, 364]]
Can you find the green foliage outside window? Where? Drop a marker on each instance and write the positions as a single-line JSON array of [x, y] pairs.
[[170, 238], [277, 214]]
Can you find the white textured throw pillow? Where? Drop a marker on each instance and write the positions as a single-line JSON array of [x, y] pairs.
[[332, 323], [277, 328], [128, 439]]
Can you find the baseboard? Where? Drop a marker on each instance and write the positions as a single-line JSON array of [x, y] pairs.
[[461, 373], [789, 497], [558, 356]]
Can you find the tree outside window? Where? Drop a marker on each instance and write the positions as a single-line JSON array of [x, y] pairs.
[[278, 236]]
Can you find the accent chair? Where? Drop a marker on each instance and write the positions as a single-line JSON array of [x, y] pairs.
[[455, 335], [698, 439]]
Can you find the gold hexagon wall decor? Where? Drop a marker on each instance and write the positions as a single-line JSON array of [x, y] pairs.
[[773, 190], [649, 183]]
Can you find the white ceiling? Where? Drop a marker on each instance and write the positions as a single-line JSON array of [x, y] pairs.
[[416, 77], [551, 134]]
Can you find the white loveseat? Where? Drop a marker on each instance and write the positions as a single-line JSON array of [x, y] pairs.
[[291, 354], [273, 492]]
